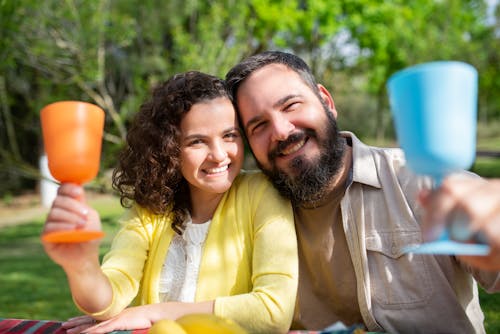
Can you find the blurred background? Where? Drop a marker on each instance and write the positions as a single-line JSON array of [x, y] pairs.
[[111, 53]]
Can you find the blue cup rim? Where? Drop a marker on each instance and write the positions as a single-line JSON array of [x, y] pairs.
[[423, 67]]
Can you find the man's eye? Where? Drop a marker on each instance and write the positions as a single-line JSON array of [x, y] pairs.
[[257, 127], [292, 106]]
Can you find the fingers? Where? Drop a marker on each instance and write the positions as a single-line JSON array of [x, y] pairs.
[[480, 200], [490, 262], [68, 212], [71, 190], [102, 327], [437, 207], [450, 205], [80, 324], [470, 205], [483, 205]]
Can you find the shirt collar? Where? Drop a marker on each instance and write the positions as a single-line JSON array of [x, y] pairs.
[[364, 167]]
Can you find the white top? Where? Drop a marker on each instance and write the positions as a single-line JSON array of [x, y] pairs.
[[179, 274]]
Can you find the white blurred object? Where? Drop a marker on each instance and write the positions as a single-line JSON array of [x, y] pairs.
[[48, 188]]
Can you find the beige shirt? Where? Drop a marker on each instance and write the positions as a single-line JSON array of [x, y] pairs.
[[396, 292]]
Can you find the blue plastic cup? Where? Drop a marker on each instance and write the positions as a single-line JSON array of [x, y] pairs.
[[434, 106]]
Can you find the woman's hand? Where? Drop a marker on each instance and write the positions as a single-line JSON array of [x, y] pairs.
[[69, 212], [78, 324], [138, 317]]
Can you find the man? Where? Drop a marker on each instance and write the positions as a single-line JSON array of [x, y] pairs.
[[355, 210]]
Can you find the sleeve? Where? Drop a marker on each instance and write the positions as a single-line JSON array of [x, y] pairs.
[[488, 280], [124, 263], [269, 307]]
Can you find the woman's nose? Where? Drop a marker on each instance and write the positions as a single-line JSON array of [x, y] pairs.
[[218, 152]]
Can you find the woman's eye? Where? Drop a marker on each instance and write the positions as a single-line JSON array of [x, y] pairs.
[[195, 142], [232, 135]]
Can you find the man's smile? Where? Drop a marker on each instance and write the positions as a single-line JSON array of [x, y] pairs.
[[292, 148], [291, 145]]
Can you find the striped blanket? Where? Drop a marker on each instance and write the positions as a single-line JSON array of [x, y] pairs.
[[22, 326]]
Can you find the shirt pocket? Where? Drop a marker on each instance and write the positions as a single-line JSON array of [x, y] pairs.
[[397, 279]]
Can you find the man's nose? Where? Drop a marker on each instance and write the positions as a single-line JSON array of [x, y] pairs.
[[281, 127]]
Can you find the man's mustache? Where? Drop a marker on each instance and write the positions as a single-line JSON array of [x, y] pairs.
[[282, 145]]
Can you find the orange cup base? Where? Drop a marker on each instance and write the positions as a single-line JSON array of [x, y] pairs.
[[74, 236]]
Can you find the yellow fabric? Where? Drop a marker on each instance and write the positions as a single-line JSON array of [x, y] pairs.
[[249, 261]]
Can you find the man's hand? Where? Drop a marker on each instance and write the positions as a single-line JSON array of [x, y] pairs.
[[479, 200]]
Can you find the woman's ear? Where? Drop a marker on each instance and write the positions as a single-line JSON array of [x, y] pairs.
[[327, 97]]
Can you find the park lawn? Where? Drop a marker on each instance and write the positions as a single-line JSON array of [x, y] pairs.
[[487, 167], [33, 287]]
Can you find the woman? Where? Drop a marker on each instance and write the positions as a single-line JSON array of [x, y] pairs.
[[199, 237]]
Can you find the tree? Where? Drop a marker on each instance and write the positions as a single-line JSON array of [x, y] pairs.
[[112, 53], [392, 35]]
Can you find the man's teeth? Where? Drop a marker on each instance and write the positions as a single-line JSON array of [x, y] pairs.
[[217, 170], [293, 148]]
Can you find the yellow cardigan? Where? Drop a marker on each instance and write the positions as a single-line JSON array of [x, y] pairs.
[[248, 266]]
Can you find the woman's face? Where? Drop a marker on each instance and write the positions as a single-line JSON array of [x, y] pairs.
[[211, 146]]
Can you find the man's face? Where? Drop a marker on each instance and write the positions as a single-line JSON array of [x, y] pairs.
[[291, 131]]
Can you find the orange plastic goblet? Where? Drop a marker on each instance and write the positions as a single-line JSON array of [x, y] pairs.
[[72, 135]]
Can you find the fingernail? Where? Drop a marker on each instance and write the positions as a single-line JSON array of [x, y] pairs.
[[76, 191]]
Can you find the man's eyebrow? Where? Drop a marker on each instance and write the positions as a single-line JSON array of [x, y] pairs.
[[276, 105], [251, 121], [283, 100]]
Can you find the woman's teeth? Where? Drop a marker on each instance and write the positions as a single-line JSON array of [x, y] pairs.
[[217, 170]]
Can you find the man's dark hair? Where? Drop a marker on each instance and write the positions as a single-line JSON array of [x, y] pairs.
[[245, 68]]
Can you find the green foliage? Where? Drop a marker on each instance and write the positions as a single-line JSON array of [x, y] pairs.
[[393, 35], [112, 53]]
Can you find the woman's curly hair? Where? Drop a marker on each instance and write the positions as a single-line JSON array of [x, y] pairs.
[[149, 167]]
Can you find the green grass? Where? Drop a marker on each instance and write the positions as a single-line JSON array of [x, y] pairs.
[[490, 303], [31, 285], [487, 167]]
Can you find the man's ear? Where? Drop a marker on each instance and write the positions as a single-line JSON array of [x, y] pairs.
[[327, 97]]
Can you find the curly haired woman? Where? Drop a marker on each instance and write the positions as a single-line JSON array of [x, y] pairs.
[[198, 235]]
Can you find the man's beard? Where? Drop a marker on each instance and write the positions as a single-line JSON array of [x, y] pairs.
[[312, 178]]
